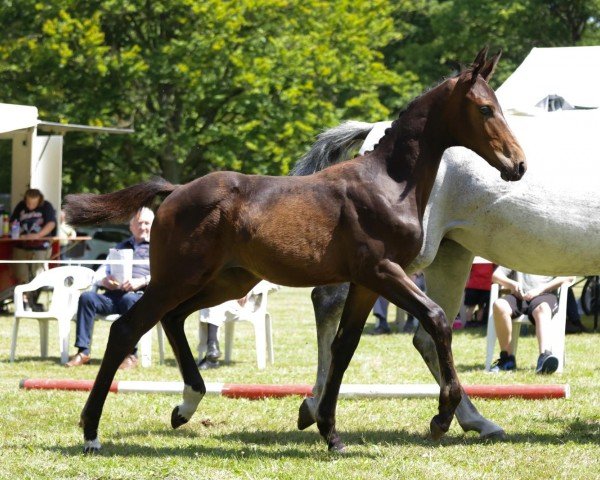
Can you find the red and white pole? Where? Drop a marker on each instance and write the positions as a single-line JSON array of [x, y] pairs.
[[256, 391]]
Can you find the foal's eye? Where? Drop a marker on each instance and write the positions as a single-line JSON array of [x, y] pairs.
[[486, 111]]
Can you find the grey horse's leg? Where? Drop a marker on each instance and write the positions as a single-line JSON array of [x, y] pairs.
[[446, 277], [328, 303]]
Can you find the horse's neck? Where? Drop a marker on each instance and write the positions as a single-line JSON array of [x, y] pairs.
[[412, 150]]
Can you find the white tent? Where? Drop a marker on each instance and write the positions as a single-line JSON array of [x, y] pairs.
[[572, 73], [37, 159], [566, 135]]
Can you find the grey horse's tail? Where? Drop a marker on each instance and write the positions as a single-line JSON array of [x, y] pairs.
[[332, 146]]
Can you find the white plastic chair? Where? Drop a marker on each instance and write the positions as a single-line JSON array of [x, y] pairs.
[[556, 330], [67, 283], [253, 311]]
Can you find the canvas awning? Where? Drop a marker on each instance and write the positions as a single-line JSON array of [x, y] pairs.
[[547, 74]]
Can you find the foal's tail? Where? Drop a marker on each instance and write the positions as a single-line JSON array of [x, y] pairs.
[[116, 207], [332, 146]]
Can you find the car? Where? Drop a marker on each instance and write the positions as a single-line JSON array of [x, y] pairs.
[[103, 238]]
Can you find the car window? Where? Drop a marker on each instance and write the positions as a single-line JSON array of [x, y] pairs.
[[110, 236]]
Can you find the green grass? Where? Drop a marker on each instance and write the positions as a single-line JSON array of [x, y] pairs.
[[39, 436]]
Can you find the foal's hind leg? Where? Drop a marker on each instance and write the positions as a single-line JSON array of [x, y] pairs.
[[194, 388], [229, 285], [393, 283], [356, 310]]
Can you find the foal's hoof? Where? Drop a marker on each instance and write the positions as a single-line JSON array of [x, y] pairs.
[[305, 416], [91, 447], [436, 429], [176, 419]]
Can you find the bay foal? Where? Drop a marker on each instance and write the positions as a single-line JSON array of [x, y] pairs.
[[360, 221]]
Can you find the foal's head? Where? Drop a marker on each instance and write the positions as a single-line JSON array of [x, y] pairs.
[[476, 121]]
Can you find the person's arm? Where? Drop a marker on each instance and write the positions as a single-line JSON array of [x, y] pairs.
[[552, 285], [44, 232], [500, 277]]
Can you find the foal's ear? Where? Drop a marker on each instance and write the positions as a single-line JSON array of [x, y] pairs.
[[488, 69], [479, 63]]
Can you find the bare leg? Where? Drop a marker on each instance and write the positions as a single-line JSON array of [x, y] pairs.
[[445, 278], [542, 316], [503, 324]]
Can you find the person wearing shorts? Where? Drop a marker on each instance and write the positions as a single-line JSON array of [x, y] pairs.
[[535, 297]]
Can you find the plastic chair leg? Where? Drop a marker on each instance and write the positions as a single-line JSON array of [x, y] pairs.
[[43, 338], [269, 337], [13, 342], [161, 343], [260, 342], [229, 330], [64, 332], [202, 339], [491, 329], [145, 346]]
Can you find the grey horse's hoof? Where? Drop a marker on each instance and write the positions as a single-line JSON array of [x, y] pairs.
[[176, 419], [495, 436], [305, 416]]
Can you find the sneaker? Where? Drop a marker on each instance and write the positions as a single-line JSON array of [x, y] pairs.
[[505, 363], [547, 363]]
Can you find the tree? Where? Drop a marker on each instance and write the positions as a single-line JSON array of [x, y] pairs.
[[207, 85]]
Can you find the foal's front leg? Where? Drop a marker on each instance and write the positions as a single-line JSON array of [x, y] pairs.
[[125, 333], [393, 283], [356, 310]]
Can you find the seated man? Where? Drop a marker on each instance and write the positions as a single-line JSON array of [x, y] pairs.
[[118, 298], [531, 295]]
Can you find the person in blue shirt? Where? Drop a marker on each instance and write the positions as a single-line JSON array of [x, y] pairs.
[[117, 297]]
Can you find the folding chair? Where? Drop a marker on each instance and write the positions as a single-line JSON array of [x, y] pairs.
[[253, 311], [66, 283], [556, 331]]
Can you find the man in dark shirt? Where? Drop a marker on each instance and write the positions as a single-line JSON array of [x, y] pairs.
[[37, 220], [118, 297]]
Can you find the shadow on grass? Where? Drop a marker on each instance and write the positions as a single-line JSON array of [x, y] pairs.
[[305, 445]]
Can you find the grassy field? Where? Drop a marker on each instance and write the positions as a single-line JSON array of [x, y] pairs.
[[39, 436]]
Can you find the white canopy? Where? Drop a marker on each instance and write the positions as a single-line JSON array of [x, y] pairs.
[[17, 117], [566, 136], [572, 73]]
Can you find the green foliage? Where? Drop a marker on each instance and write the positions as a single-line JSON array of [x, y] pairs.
[[246, 84], [209, 85]]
